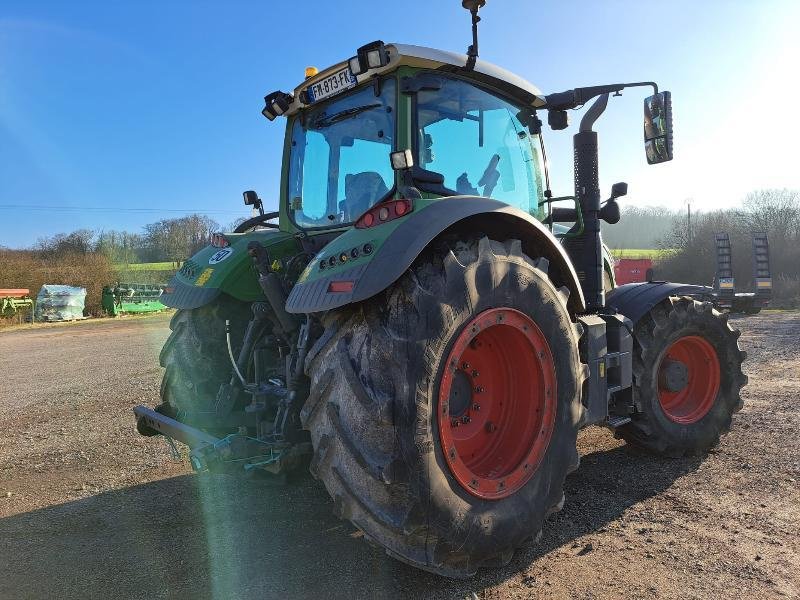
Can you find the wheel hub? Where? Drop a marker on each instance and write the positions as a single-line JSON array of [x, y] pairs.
[[688, 379], [673, 375], [497, 403]]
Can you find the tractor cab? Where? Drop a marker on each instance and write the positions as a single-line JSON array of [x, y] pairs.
[[469, 133]]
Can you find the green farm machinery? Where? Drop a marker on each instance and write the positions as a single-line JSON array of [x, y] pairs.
[[15, 302], [132, 298], [422, 327]]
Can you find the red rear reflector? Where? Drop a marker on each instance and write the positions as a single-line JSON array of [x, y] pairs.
[[338, 287]]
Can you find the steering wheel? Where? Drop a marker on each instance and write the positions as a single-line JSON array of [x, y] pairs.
[[258, 220]]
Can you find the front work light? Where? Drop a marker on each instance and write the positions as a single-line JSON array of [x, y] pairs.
[[369, 56], [276, 104]]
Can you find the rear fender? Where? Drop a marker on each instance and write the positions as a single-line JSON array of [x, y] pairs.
[[395, 245], [229, 270], [634, 300]]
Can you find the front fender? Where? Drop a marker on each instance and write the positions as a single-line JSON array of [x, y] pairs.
[[398, 243], [213, 271]]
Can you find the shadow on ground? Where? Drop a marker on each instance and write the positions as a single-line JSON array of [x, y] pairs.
[[218, 537]]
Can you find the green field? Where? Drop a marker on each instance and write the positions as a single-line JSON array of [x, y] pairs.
[[639, 253], [153, 266]]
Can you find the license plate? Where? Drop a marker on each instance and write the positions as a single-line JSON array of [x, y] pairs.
[[331, 85]]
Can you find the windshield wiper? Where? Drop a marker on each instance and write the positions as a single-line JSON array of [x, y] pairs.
[[325, 121]]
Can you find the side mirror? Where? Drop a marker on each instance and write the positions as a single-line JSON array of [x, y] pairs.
[[252, 199], [658, 128], [618, 190]]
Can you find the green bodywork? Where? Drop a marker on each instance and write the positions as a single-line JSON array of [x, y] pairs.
[[235, 274]]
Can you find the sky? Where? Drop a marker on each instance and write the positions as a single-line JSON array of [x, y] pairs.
[[117, 114]]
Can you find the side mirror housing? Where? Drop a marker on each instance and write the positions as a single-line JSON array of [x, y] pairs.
[[252, 199], [658, 128], [618, 190], [557, 119]]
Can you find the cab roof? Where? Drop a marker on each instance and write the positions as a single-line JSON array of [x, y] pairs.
[[433, 58]]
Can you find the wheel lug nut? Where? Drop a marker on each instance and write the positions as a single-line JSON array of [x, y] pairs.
[[476, 407], [478, 389], [475, 372], [465, 419], [465, 365], [454, 423]]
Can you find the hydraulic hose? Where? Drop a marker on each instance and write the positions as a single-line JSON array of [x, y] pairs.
[[230, 352]]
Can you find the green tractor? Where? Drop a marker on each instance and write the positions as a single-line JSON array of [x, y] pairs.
[[422, 327]]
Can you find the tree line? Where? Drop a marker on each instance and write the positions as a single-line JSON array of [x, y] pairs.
[[688, 249], [167, 240]]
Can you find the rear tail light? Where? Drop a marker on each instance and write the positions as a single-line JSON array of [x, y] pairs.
[[219, 241], [384, 212]]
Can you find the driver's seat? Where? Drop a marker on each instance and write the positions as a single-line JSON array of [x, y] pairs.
[[362, 190]]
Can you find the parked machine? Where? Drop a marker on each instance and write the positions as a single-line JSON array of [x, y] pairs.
[[724, 289], [132, 298], [14, 302], [633, 270], [417, 329]]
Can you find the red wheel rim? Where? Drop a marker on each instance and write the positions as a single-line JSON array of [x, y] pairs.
[[497, 403], [688, 399]]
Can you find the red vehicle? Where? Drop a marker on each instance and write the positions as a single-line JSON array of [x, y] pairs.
[[633, 270]]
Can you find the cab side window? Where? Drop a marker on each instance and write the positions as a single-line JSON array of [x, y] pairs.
[[477, 142]]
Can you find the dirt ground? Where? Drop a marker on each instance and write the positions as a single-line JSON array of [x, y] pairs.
[[89, 509]]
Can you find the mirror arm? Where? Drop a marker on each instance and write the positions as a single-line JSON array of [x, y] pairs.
[[580, 96], [558, 199]]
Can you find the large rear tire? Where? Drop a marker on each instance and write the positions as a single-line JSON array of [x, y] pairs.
[[195, 356], [439, 493], [687, 369]]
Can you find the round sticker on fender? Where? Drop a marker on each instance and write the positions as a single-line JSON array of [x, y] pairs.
[[219, 256]]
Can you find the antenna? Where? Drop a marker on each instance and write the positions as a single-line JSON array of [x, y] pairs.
[[473, 6]]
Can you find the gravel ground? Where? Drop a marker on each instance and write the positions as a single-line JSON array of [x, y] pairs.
[[89, 509]]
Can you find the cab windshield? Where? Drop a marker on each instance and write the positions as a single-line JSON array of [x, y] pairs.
[[339, 165]]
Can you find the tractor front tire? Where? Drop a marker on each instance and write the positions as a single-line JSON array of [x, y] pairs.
[[687, 369], [195, 356], [444, 412]]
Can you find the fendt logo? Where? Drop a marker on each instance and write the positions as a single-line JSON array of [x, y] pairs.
[[219, 256]]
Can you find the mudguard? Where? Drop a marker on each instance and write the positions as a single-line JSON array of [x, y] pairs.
[[634, 300], [363, 262], [213, 271]]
